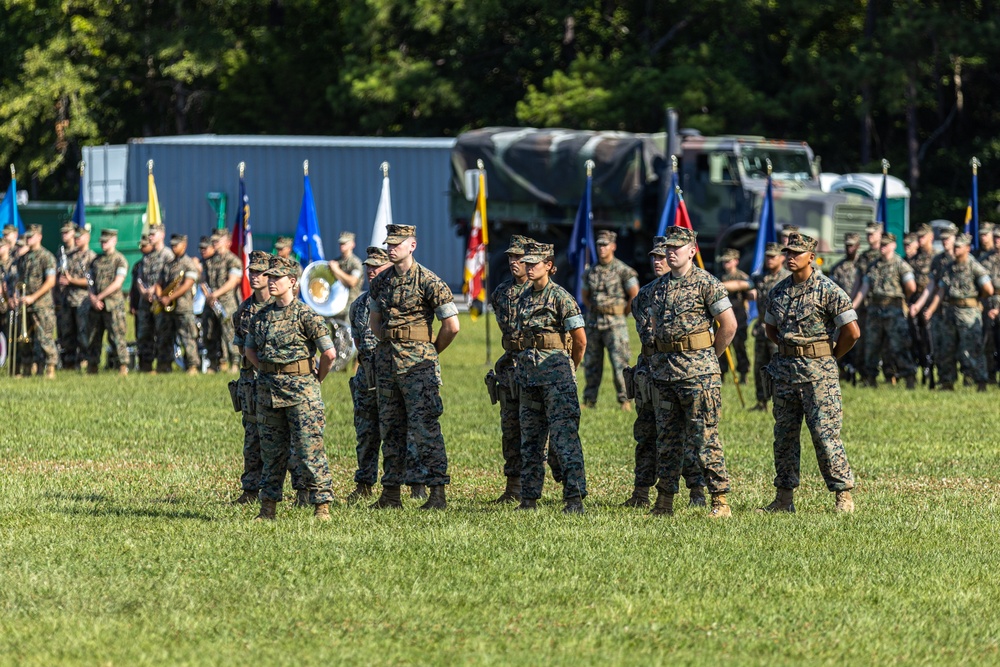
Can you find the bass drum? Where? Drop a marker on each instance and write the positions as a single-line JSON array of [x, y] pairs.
[[3, 349], [340, 331], [199, 301]]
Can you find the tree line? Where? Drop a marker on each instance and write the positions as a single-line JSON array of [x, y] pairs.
[[913, 81]]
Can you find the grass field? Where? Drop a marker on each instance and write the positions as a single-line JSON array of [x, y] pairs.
[[118, 545]]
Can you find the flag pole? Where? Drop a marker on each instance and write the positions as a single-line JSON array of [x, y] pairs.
[[486, 272]]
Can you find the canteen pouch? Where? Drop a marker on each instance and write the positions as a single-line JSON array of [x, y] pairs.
[[234, 395], [491, 386], [628, 374]]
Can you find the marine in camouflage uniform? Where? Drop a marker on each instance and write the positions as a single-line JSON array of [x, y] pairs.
[[146, 323], [803, 314], [504, 302], [282, 342], [549, 329], [608, 289], [961, 322], [738, 285], [644, 428], [222, 271], [246, 387], [75, 312], [107, 311], [873, 232], [348, 269], [763, 349], [845, 274], [179, 324], [684, 368], [984, 254], [920, 331], [886, 285], [70, 352], [991, 325], [939, 263], [36, 270], [403, 302]]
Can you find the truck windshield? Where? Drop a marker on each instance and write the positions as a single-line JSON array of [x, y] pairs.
[[786, 165]]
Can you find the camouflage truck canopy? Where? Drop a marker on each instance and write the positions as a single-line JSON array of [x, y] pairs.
[[546, 166]]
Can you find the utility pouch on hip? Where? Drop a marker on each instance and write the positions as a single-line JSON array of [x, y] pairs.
[[234, 395], [491, 386], [767, 384], [369, 375], [628, 374]]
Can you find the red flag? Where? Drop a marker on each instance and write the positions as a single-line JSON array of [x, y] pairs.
[[242, 244]]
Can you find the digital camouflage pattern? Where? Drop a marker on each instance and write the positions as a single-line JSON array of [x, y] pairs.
[[74, 315], [867, 258], [607, 285], [290, 411], [504, 302], [921, 264], [185, 266], [616, 342], [887, 329], [150, 267], [845, 273], [550, 310], [738, 300], [77, 265], [33, 268], [217, 332], [178, 326], [351, 265], [364, 394], [764, 349], [960, 328], [103, 270], [687, 429], [407, 375]]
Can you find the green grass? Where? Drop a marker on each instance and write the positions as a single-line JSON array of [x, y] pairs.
[[118, 545]]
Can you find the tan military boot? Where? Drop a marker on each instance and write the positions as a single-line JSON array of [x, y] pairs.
[[696, 497], [844, 502], [83, 366], [123, 370], [664, 504], [511, 494], [192, 371], [437, 499], [247, 498], [626, 406], [360, 492], [388, 500], [321, 512], [640, 497], [782, 503], [267, 508], [720, 508], [50, 372]]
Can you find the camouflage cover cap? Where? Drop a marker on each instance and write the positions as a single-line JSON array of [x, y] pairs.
[[606, 237], [923, 228], [772, 250], [909, 238], [948, 232], [260, 261], [345, 237], [679, 236], [144, 240], [798, 243], [888, 238], [217, 234], [399, 233], [177, 239], [659, 246], [963, 239], [282, 266], [517, 243], [986, 228], [789, 229], [376, 256], [203, 243], [283, 242], [873, 227], [852, 238], [109, 234], [82, 229], [8, 228], [996, 231], [730, 254], [68, 227], [537, 252], [157, 227], [31, 230]]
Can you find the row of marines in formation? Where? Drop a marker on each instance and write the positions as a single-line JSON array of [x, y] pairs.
[[685, 322]]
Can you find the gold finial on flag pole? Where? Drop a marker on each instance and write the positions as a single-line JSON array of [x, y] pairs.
[[82, 165], [673, 163], [149, 166], [385, 169], [480, 165], [885, 166], [305, 167], [768, 162], [976, 164], [589, 164], [13, 172], [243, 168]]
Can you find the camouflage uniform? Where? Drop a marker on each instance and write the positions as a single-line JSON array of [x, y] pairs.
[[407, 375], [845, 274], [146, 324], [939, 264], [644, 428], [364, 394], [351, 265], [763, 349], [32, 270], [217, 332], [805, 314], [547, 382], [686, 391], [178, 325], [103, 270], [920, 331], [739, 344], [887, 328], [961, 320], [608, 285], [290, 411], [75, 313], [990, 326]]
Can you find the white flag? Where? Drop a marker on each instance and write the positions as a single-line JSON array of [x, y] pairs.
[[383, 216]]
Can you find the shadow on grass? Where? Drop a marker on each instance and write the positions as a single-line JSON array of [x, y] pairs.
[[139, 512], [79, 497]]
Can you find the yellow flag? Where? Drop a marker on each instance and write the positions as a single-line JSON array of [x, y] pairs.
[[153, 206], [481, 208]]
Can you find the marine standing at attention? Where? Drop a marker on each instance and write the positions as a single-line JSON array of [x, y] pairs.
[[107, 303], [36, 276], [763, 349]]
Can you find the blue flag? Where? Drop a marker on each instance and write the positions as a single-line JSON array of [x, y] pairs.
[[766, 233], [80, 214], [582, 250], [882, 212], [308, 245], [972, 213], [8, 209], [669, 216]]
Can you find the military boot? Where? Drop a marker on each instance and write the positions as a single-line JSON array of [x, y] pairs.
[[782, 503], [301, 498], [360, 492], [193, 371], [911, 382], [123, 370], [720, 508], [981, 387], [418, 491], [512, 493], [527, 504], [573, 505], [626, 406], [321, 511], [388, 500], [664, 504], [83, 366], [696, 498], [267, 508], [247, 498], [760, 407], [50, 372], [145, 366], [946, 386], [640, 497], [93, 370], [436, 501], [844, 502]]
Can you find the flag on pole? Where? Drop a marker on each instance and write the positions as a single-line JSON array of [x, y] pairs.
[[8, 207], [242, 243], [308, 244], [766, 233], [972, 210], [882, 211], [80, 213], [582, 251], [153, 216], [474, 286], [383, 216]]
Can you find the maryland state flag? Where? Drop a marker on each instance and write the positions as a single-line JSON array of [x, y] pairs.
[[242, 243], [153, 216], [474, 286]]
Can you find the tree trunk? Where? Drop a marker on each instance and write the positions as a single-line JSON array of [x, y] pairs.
[[867, 122], [912, 142]]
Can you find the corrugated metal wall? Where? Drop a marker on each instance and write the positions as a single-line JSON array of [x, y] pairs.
[[345, 177]]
